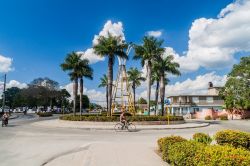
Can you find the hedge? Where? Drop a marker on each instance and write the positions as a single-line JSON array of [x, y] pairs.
[[165, 142], [100, 118], [202, 138], [234, 138], [44, 114]]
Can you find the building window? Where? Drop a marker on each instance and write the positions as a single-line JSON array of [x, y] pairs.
[[210, 99], [195, 99]]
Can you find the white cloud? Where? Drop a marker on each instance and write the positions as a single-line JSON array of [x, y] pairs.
[[114, 29], [5, 64], [91, 56], [199, 85], [155, 33], [213, 43], [12, 83], [95, 96]]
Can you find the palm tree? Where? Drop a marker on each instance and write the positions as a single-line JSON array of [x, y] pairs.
[[135, 77], [104, 83], [83, 70], [165, 65], [156, 79], [110, 47], [71, 64], [150, 48]]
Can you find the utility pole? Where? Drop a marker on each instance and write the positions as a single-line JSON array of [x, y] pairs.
[[4, 87]]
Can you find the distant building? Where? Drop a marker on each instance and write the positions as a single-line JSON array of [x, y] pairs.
[[183, 104]]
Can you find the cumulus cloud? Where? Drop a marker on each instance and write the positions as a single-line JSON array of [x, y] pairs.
[[5, 64], [12, 83], [213, 43], [199, 85], [91, 56], [114, 29], [155, 33], [95, 96]]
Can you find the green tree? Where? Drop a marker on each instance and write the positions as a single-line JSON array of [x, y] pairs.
[[110, 47], [71, 64], [236, 92], [10, 96], [156, 79], [135, 78], [83, 70], [104, 83], [142, 101], [146, 52], [165, 64]]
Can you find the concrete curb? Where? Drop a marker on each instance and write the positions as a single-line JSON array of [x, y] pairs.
[[59, 124]]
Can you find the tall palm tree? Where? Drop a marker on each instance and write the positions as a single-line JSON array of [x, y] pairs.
[[104, 83], [135, 77], [83, 70], [150, 48], [111, 47], [71, 64], [156, 79], [165, 65]]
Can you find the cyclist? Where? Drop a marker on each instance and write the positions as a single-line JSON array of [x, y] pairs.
[[123, 118]]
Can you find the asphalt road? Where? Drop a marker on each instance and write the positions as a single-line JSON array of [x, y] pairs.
[[24, 144]]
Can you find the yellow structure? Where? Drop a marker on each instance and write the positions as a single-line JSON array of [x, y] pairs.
[[122, 98]]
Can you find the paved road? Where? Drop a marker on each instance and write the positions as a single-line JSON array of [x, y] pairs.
[[25, 144]]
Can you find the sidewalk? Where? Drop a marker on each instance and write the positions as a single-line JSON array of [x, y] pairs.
[[110, 125]]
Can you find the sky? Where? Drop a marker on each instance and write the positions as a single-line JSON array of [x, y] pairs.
[[206, 38]]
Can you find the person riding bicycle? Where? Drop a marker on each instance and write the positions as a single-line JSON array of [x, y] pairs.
[[5, 117], [123, 119]]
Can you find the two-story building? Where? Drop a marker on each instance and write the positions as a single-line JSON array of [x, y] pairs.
[[183, 104]]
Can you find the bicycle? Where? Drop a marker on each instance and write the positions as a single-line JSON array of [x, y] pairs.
[[127, 126]]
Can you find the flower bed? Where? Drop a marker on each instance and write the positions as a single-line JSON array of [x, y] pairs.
[[116, 118], [44, 114], [179, 151]]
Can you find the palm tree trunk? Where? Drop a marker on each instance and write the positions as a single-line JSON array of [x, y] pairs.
[[134, 96], [107, 97], [162, 92], [156, 94], [81, 93], [110, 83], [149, 67], [75, 88]]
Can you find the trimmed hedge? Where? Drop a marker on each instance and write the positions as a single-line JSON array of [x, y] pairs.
[[183, 153], [191, 153], [208, 117], [222, 155], [44, 114], [165, 142], [202, 138], [223, 117], [100, 118], [233, 138]]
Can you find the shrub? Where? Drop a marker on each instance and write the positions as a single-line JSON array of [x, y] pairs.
[[222, 155], [183, 153], [234, 138], [223, 117], [116, 118], [165, 142], [202, 138], [208, 117], [44, 114]]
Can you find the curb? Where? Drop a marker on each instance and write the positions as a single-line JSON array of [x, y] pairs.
[[138, 128]]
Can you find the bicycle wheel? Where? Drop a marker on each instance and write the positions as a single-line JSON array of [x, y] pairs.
[[131, 127], [118, 127]]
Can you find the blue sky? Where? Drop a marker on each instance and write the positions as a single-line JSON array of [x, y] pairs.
[[37, 35]]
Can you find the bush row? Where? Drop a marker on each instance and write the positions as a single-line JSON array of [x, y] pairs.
[[44, 114], [233, 138], [178, 151], [116, 118]]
